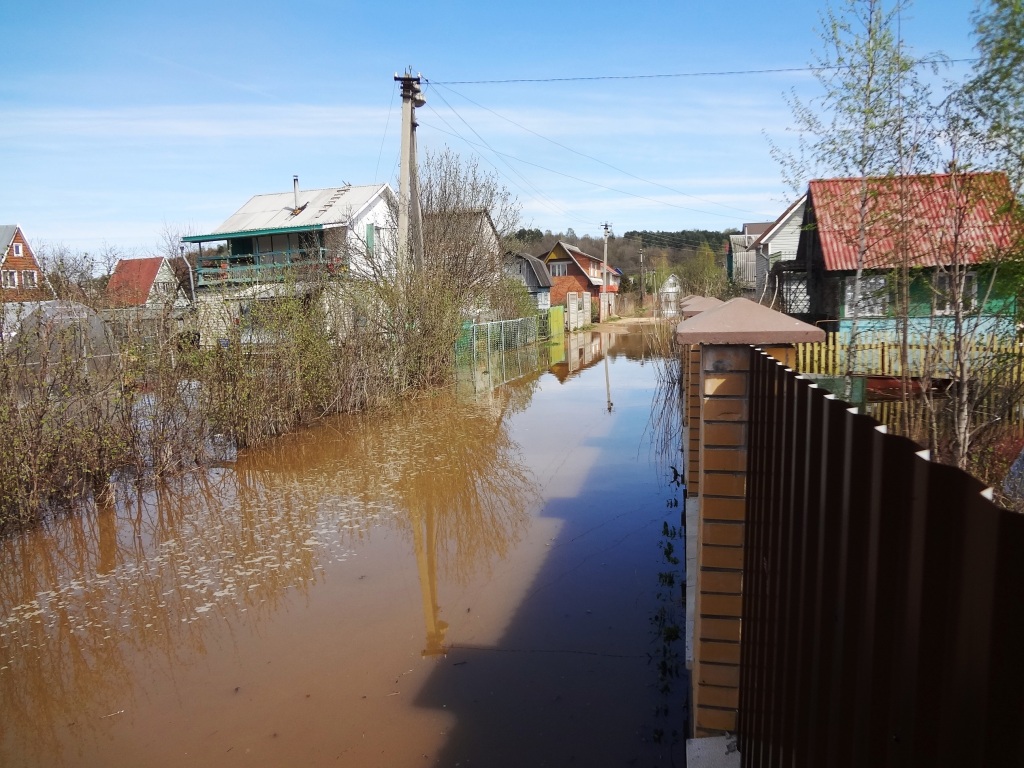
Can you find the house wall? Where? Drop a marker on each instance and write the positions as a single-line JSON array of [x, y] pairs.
[[522, 270], [382, 239], [17, 286], [781, 247], [574, 282], [166, 288], [997, 298], [920, 328], [216, 317]]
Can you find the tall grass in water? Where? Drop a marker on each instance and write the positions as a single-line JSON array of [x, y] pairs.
[[236, 371]]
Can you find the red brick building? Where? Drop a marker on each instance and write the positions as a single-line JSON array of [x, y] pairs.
[[572, 270]]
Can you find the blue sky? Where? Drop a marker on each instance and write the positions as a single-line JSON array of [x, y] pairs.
[[122, 118]]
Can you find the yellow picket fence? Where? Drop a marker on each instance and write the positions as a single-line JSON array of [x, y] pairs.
[[998, 364], [882, 355]]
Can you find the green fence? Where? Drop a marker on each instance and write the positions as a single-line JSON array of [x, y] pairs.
[[489, 354]]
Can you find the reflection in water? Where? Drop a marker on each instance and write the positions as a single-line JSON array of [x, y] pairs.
[[151, 575]]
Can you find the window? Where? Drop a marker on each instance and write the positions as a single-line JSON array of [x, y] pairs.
[[559, 268], [874, 297], [10, 278], [945, 292], [28, 279], [18, 249]]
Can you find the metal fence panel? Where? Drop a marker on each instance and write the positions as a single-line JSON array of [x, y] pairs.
[[882, 620]]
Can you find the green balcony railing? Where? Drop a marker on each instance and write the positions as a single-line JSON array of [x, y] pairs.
[[273, 266]]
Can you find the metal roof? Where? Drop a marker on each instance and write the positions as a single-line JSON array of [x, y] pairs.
[[132, 280], [7, 233], [277, 213], [540, 271], [929, 218]]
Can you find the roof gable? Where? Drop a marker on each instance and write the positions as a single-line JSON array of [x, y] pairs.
[[581, 259], [132, 281], [539, 269], [929, 218], [7, 234], [794, 212]]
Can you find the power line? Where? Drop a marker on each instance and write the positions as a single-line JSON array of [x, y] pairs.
[[456, 134], [387, 123], [583, 181], [724, 73], [590, 157]]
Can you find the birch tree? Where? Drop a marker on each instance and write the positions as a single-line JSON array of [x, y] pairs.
[[982, 128], [868, 120]]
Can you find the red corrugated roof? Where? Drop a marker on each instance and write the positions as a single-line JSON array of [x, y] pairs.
[[934, 219], [132, 280]]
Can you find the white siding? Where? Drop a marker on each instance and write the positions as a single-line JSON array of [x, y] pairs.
[[779, 245], [380, 217]]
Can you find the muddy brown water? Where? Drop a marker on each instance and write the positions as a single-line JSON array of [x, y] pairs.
[[473, 581]]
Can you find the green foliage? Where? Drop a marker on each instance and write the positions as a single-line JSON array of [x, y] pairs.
[[996, 92], [683, 240], [703, 275], [529, 236]]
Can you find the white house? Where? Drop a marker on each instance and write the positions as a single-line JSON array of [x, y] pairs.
[[777, 243], [332, 229]]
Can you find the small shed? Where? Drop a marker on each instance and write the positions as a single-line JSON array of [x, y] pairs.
[[668, 296]]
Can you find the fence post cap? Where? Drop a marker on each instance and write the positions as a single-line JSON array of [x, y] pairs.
[[742, 321], [694, 305]]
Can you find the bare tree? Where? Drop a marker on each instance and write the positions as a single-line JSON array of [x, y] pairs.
[[468, 220], [182, 256]]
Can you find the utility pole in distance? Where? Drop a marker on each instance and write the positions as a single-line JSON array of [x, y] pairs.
[[641, 272], [603, 311], [410, 225]]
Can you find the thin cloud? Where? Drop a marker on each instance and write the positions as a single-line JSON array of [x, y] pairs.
[[194, 122]]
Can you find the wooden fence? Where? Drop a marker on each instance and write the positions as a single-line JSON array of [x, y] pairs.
[[998, 378], [882, 621], [881, 354]]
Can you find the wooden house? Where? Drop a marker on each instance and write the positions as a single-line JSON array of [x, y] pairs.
[[777, 243], [534, 275], [740, 256], [20, 275], [931, 227], [333, 229], [148, 282], [573, 271]]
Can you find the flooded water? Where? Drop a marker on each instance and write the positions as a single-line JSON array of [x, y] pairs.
[[483, 580]]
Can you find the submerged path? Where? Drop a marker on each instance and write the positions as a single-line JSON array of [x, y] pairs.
[[489, 582]]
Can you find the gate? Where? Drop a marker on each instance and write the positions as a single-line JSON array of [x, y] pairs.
[[576, 317]]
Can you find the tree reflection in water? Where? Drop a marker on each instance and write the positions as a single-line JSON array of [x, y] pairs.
[[87, 596]]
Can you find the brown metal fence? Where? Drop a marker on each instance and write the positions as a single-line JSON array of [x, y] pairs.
[[883, 612]]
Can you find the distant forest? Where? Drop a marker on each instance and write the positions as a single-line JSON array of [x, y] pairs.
[[662, 250]]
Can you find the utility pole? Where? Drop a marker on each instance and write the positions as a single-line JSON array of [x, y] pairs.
[[603, 313], [410, 224], [641, 271]]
